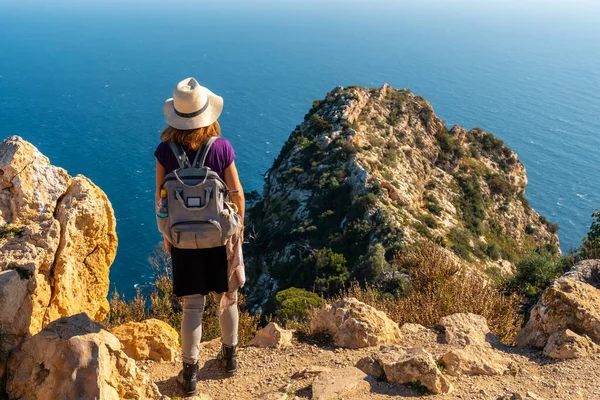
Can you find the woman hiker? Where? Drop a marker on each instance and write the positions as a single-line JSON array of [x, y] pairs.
[[191, 116]]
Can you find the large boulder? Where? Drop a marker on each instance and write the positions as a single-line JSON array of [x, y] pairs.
[[465, 329], [566, 304], [272, 336], [587, 271], [57, 242], [406, 365], [354, 324], [75, 358], [567, 344], [150, 339], [475, 360]]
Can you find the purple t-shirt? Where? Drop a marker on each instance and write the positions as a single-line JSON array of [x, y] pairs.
[[219, 157]]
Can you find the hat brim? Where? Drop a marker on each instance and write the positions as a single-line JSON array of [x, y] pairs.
[[210, 115]]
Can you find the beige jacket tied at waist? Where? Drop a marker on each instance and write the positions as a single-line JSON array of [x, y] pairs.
[[236, 275]]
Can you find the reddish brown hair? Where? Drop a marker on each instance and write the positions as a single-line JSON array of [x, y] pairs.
[[191, 138]]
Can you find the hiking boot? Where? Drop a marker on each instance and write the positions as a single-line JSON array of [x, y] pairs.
[[227, 358], [188, 378]]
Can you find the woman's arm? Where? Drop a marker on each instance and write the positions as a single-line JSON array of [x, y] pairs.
[[160, 177], [233, 183]]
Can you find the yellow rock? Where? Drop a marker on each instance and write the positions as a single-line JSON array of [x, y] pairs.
[[57, 261], [151, 339], [76, 358], [566, 304], [354, 324], [272, 335]]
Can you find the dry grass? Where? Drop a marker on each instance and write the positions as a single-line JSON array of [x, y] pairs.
[[162, 304], [441, 286]]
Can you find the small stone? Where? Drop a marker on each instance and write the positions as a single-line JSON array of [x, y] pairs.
[[409, 365], [272, 336], [337, 383]]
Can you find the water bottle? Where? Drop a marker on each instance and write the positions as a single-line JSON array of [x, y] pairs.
[[163, 204]]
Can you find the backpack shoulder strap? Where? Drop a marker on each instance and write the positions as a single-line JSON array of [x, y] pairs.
[[180, 155], [203, 152]]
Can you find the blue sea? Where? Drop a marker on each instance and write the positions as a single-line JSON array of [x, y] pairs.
[[85, 82]]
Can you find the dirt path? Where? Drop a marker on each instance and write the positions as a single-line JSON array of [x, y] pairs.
[[263, 371]]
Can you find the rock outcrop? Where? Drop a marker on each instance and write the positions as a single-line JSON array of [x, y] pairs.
[[75, 358], [57, 242], [567, 344], [465, 329], [150, 339], [273, 336], [406, 365], [372, 170], [475, 360], [353, 324], [566, 304]]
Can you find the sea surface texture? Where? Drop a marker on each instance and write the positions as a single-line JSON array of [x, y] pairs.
[[86, 82]]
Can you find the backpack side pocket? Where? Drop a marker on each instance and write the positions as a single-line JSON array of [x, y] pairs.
[[164, 226]]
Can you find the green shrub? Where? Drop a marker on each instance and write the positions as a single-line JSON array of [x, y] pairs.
[[294, 304], [434, 209], [320, 125], [492, 250], [530, 229], [419, 143], [430, 197], [593, 235], [428, 220], [348, 149], [302, 141], [370, 266], [471, 203], [329, 269], [316, 105], [499, 185], [375, 141], [590, 245], [450, 149], [552, 227], [390, 158], [11, 231], [536, 271], [460, 243], [422, 229]]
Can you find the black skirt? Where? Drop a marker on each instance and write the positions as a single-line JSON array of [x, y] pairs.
[[199, 271]]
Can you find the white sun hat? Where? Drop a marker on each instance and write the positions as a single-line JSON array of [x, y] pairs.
[[192, 106]]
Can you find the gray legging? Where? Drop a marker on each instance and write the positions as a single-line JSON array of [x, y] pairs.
[[191, 326]]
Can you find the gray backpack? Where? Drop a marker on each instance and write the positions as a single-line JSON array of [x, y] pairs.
[[198, 214]]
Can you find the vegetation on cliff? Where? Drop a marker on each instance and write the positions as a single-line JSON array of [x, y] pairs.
[[372, 172]]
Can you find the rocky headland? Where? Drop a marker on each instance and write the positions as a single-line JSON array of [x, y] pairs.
[[369, 175], [370, 172]]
